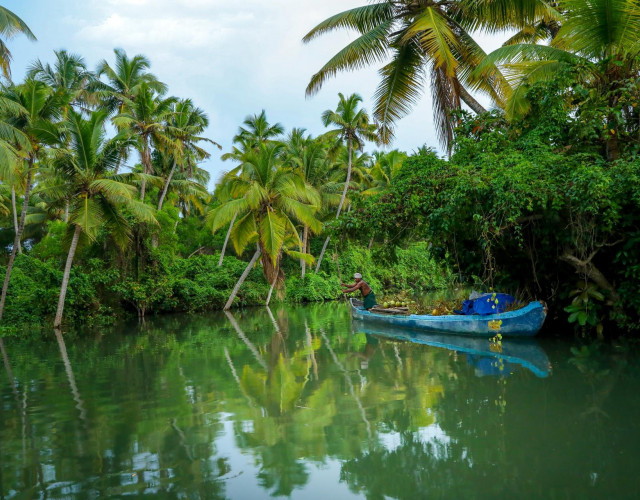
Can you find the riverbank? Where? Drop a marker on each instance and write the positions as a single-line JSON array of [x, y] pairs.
[[99, 293]]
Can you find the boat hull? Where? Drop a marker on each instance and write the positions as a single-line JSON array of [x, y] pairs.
[[524, 322]]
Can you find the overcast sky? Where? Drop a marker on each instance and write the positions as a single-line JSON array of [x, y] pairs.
[[232, 58]]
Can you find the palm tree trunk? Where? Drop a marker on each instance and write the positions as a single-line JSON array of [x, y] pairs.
[[236, 288], [226, 239], [344, 195], [370, 243], [305, 238], [348, 181], [470, 101], [143, 186], [65, 278], [15, 215], [273, 285], [66, 211], [166, 185], [72, 380], [16, 240], [146, 161], [324, 249]]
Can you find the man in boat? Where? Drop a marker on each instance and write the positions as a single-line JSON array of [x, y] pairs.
[[367, 294]]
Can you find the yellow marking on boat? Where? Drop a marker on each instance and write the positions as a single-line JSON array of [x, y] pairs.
[[495, 325]]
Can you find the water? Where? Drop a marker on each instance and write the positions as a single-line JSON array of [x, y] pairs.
[[302, 403]]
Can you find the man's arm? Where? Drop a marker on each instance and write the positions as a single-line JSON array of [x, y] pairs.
[[353, 288]]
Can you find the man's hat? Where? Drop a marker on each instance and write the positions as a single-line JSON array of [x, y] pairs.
[[357, 276]]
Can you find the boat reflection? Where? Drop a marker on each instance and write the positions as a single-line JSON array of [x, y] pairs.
[[487, 356]]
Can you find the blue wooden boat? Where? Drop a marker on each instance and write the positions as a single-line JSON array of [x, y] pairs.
[[481, 352], [524, 322]]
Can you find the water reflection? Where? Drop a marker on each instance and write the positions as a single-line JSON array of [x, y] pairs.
[[300, 402], [488, 356]]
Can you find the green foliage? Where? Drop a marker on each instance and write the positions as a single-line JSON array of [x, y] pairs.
[[412, 269], [522, 205], [51, 247], [585, 308], [313, 288]]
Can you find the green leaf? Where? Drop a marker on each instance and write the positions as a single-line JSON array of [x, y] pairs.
[[272, 231]]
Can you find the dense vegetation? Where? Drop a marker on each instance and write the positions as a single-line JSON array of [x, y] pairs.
[[105, 209]]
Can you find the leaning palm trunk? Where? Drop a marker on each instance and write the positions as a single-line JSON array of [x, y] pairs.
[[344, 195], [15, 215], [273, 285], [16, 240], [226, 239], [70, 377], [305, 238], [166, 185], [236, 288], [65, 278], [469, 100], [154, 237]]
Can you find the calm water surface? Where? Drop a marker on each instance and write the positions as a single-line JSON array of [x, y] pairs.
[[300, 402]]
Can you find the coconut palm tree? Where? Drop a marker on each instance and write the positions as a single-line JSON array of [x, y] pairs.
[[226, 190], [36, 127], [310, 159], [98, 196], [415, 36], [68, 75], [257, 130], [417, 40], [271, 200], [145, 117], [599, 38], [353, 127], [10, 26], [185, 125], [124, 80]]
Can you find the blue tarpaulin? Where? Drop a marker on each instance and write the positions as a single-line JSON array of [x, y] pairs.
[[487, 303]]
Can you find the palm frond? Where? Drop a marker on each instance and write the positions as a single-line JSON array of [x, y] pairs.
[[361, 19], [400, 88], [243, 233], [222, 215], [272, 232], [366, 50]]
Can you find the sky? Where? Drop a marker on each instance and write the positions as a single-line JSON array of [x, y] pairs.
[[232, 58]]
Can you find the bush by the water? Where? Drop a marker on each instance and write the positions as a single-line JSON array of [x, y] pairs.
[[99, 292]]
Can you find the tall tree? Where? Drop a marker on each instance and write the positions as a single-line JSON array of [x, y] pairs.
[[353, 127], [124, 79], [185, 125], [38, 128], [425, 39], [145, 117], [99, 197], [68, 76], [317, 162], [272, 200], [256, 130]]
